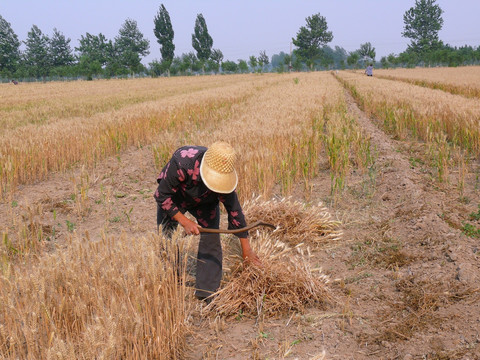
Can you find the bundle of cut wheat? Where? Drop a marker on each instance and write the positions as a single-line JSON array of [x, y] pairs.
[[283, 283], [296, 222]]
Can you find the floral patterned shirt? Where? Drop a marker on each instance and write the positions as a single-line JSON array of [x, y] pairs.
[[180, 188]]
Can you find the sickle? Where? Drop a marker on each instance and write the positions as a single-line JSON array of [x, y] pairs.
[[235, 231]]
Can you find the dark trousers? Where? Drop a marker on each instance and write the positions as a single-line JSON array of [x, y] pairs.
[[209, 256]]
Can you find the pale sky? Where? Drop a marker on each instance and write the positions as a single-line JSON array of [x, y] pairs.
[[243, 28]]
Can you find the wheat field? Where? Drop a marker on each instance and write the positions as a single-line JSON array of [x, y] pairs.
[[103, 293], [462, 81]]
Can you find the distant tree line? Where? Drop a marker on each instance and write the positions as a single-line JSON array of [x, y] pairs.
[[96, 56], [52, 56], [422, 24]]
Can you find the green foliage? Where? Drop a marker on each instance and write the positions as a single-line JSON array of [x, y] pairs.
[[36, 54], [164, 33], [470, 230], [216, 58], [384, 62], [229, 66], [202, 42], [212, 66], [353, 58], [367, 51], [242, 66], [60, 50], [311, 38], [94, 52], [332, 57], [157, 68], [422, 24], [329, 57], [253, 62], [95, 48], [10, 47], [189, 63], [279, 59], [475, 216], [263, 59], [392, 59], [70, 226], [131, 45]]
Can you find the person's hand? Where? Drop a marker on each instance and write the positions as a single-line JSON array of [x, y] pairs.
[[250, 257], [190, 227]]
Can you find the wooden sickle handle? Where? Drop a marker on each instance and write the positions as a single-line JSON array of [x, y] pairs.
[[236, 231]]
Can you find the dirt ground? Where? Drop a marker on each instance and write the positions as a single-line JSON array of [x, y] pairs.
[[405, 278]]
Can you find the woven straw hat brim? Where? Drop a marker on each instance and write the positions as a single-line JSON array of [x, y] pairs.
[[222, 183]]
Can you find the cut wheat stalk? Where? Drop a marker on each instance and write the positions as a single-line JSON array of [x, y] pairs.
[[284, 282], [296, 223]]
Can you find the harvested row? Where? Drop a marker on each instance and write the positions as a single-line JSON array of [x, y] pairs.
[[45, 103], [284, 132], [447, 123], [463, 81], [29, 153]]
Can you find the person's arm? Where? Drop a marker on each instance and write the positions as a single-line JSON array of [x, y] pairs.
[[236, 220], [248, 254]]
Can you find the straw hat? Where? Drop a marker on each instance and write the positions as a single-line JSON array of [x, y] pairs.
[[217, 168]]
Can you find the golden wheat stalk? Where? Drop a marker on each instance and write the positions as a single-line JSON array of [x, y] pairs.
[[285, 282], [296, 223]]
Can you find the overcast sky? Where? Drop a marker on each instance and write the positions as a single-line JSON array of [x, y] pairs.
[[243, 28]]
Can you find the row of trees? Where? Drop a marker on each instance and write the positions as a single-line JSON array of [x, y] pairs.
[[53, 56], [422, 25], [98, 56], [206, 58], [46, 56]]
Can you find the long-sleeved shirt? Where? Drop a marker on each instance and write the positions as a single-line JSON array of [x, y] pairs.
[[180, 188]]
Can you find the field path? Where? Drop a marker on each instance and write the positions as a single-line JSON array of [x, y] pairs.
[[414, 277]]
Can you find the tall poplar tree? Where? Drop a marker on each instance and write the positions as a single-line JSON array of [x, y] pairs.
[[9, 47], [163, 31], [202, 42]]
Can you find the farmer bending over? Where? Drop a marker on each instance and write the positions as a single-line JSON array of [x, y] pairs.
[[197, 179]]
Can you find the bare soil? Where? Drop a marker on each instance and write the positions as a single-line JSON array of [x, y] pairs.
[[405, 278]]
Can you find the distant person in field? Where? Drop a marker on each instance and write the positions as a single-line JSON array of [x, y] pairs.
[[196, 180], [369, 70], [14, 82]]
